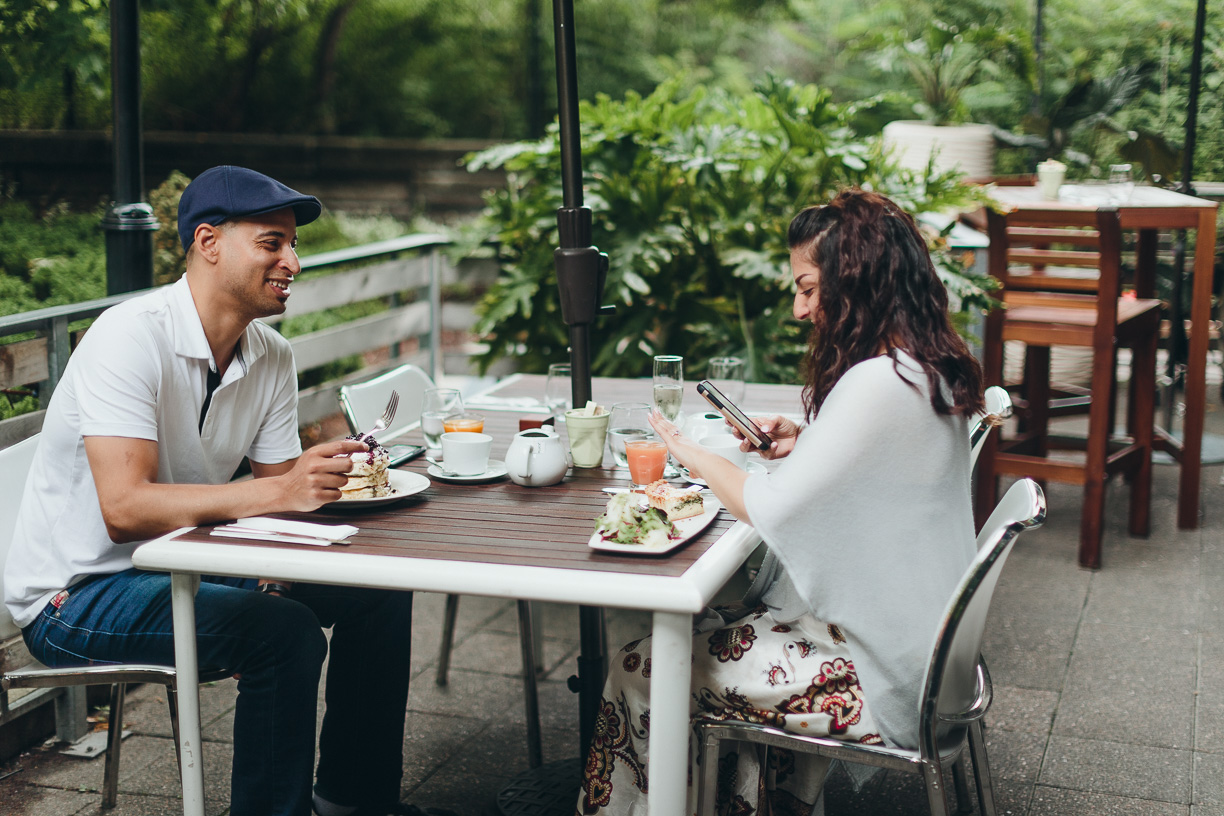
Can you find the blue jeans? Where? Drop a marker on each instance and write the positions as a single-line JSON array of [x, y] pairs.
[[277, 646]]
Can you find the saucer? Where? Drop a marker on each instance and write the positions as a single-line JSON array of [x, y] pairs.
[[496, 470], [750, 469]]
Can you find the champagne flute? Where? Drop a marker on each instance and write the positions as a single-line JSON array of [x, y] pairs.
[[669, 394], [439, 404]]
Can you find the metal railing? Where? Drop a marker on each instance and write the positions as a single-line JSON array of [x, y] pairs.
[[412, 265]]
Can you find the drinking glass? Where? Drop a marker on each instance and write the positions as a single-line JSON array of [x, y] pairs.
[[669, 385], [629, 420], [727, 375], [1122, 182], [559, 390], [463, 423], [647, 460], [668, 395], [439, 404]]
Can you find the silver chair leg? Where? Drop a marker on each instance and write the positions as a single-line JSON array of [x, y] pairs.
[[531, 699], [962, 787], [448, 638], [707, 761], [981, 769], [114, 742], [937, 798]]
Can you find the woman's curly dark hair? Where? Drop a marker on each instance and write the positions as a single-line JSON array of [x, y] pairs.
[[878, 289]]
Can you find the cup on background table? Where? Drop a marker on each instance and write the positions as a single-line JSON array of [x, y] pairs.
[[586, 437], [699, 426], [1050, 176], [726, 446], [465, 453], [463, 423], [727, 374], [647, 459]]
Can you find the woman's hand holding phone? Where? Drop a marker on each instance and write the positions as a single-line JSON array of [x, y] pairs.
[[782, 431]]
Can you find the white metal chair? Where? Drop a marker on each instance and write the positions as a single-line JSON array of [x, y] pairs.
[[362, 404], [998, 407], [15, 464], [956, 690]]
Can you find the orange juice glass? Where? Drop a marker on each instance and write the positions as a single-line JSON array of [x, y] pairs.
[[647, 458], [464, 423]]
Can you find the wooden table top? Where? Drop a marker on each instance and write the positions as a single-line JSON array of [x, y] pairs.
[[505, 523]]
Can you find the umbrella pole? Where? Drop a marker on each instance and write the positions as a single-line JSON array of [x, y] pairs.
[[1175, 365], [581, 270]]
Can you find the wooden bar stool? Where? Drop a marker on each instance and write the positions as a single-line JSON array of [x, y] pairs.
[[1061, 287]]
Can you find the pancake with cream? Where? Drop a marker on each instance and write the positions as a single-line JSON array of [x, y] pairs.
[[367, 478]]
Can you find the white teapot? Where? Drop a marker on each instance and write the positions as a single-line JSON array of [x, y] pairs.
[[699, 426], [536, 457]]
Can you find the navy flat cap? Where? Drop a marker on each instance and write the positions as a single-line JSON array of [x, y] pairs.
[[225, 192]]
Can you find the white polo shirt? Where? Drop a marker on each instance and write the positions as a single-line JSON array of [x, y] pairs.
[[140, 372]]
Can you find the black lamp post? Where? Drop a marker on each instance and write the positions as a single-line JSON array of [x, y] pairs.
[[129, 222]]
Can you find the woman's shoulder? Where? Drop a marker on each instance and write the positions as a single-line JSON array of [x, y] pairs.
[[885, 371]]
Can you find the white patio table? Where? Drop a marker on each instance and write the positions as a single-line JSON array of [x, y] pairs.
[[499, 540]]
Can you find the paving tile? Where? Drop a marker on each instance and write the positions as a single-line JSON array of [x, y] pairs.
[[1150, 597], [39, 800], [1209, 780], [1136, 771], [1028, 650], [160, 778], [1211, 602], [466, 795], [430, 740], [1206, 810], [469, 692], [1014, 755], [1021, 709], [1130, 685], [77, 773], [1209, 708], [145, 710], [1058, 802]]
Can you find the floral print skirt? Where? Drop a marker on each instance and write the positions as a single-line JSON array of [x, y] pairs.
[[797, 676]]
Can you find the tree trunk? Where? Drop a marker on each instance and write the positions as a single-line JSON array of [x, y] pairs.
[[325, 66]]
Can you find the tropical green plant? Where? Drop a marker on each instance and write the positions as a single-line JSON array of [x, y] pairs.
[[693, 191]]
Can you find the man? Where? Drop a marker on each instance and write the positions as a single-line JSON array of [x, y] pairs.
[[158, 406]]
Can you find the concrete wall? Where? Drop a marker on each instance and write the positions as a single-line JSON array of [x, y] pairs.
[[401, 177]]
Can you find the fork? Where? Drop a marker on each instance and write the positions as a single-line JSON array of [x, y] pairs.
[[388, 414]]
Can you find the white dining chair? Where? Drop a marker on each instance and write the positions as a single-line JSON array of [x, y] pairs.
[[362, 403], [15, 462], [956, 691]]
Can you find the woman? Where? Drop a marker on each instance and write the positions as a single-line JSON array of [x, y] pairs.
[[867, 521]]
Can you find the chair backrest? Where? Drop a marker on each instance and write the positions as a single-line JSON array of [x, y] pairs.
[[363, 403], [998, 407], [954, 690], [1070, 251], [15, 464]]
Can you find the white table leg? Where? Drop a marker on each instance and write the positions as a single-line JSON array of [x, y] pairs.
[[183, 588], [670, 676]]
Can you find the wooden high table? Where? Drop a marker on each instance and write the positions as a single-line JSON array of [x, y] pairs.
[[1147, 210], [500, 540]]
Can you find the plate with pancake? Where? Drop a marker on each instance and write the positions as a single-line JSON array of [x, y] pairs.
[[403, 483], [685, 529]]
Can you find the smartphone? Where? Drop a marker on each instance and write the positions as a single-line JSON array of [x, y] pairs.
[[734, 415], [404, 453]]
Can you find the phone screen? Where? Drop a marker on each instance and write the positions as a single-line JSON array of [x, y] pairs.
[[734, 415], [404, 453]]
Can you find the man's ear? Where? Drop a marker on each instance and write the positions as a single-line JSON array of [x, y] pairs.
[[207, 240]]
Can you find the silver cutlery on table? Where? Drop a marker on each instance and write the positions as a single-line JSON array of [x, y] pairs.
[[388, 414]]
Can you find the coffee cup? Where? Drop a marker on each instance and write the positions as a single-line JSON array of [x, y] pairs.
[[465, 453], [726, 446]]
